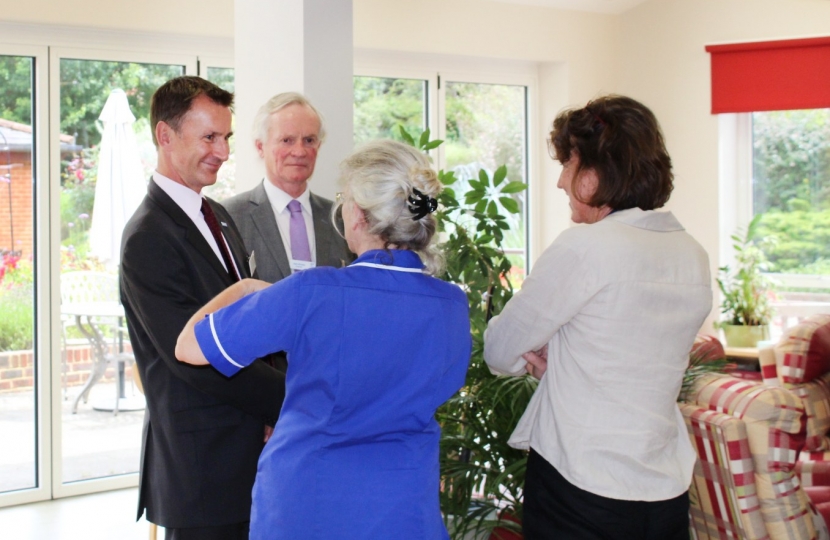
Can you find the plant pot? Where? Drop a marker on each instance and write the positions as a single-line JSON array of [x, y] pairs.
[[737, 335], [503, 533]]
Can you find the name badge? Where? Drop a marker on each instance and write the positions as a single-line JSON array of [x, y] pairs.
[[298, 266]]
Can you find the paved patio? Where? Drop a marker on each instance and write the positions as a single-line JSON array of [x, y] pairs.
[[94, 443]]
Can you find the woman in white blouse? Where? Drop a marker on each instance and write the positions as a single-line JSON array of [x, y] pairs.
[[606, 320]]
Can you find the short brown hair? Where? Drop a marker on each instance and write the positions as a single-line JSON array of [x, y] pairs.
[[173, 99], [620, 139]]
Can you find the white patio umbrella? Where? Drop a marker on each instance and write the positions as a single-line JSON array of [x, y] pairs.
[[121, 184]]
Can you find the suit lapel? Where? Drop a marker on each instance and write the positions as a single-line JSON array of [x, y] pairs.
[[262, 216], [323, 231], [192, 233]]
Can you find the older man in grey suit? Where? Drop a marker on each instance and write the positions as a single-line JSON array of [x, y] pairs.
[[285, 227]]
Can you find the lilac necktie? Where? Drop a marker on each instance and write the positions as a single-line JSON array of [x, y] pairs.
[[297, 231]]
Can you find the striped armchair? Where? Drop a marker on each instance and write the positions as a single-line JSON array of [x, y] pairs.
[[747, 436], [800, 362]]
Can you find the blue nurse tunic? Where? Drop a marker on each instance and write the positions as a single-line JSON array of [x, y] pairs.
[[373, 350]]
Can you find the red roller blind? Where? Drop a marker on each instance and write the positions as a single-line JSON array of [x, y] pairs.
[[770, 75]]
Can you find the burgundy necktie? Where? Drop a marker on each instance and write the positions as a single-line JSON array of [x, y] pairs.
[[216, 231]]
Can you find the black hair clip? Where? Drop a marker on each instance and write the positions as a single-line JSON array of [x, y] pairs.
[[420, 204]]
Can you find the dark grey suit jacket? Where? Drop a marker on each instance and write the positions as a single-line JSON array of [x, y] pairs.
[[252, 213], [203, 432]]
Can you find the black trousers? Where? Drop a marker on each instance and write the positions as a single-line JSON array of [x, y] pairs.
[[556, 509], [234, 531]]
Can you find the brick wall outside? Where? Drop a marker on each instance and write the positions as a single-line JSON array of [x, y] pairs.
[[17, 369], [21, 198]]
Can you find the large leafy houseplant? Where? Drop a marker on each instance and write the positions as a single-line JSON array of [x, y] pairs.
[[744, 288], [481, 476]]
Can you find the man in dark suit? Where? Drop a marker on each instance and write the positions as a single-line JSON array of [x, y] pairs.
[[203, 432], [288, 132]]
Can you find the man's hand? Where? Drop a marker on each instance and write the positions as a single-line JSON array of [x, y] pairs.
[[537, 362]]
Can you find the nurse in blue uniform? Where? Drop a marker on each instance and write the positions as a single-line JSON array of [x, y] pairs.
[[373, 350]]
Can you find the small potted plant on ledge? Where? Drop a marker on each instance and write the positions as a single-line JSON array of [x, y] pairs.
[[745, 290]]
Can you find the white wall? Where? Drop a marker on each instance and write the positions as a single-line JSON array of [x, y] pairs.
[[662, 62], [191, 17]]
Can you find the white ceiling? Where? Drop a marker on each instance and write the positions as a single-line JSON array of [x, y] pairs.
[[596, 6]]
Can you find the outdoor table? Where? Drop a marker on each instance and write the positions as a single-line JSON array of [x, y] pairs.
[[89, 317]]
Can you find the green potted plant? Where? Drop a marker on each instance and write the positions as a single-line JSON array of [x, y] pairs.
[[481, 475], [745, 291]]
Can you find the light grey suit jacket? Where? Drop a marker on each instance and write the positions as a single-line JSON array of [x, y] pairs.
[[255, 220]]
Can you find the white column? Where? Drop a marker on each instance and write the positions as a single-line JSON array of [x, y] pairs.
[[294, 45]]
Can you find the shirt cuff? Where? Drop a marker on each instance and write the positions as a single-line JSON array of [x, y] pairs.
[[212, 348]]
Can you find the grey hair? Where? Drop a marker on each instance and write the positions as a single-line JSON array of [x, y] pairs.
[[380, 176], [276, 104]]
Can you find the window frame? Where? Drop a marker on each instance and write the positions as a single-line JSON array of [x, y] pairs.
[[736, 210], [439, 69]]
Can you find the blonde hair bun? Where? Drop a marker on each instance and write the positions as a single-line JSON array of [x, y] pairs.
[[383, 177]]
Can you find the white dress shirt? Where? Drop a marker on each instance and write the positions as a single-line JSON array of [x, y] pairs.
[[191, 203], [279, 204], [618, 303]]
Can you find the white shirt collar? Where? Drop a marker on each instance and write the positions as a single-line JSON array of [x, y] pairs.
[[280, 199], [187, 199], [651, 220]]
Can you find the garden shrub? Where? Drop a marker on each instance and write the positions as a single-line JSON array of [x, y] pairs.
[[16, 304]]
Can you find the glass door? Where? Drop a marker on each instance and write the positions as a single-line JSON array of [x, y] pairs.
[[100, 168], [215, 71], [486, 127], [384, 104], [18, 463], [24, 326]]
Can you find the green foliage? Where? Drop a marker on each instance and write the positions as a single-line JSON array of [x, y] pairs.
[[77, 198], [16, 303], [74, 259], [224, 78], [481, 475], [745, 300], [16, 89], [791, 160], [791, 182], [797, 242], [16, 323], [381, 104], [486, 125], [85, 86], [485, 129]]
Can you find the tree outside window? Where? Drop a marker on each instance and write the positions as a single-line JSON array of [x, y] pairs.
[[791, 191], [791, 187]]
